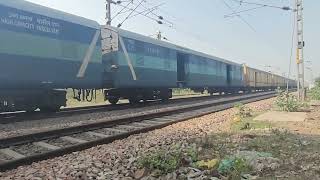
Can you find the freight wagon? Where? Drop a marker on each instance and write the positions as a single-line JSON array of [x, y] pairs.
[[255, 79]]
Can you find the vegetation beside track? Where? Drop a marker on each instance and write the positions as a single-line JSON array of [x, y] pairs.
[[250, 150], [314, 93]]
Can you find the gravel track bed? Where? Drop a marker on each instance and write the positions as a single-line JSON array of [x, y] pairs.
[[117, 160], [32, 126]]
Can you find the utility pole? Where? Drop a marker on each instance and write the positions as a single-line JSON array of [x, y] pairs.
[[300, 46], [159, 35], [108, 12]]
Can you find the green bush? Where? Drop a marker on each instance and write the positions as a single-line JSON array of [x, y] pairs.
[[243, 111], [287, 102], [163, 161], [315, 92], [166, 161], [233, 168]]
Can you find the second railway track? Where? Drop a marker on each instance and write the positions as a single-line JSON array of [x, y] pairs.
[[8, 118], [26, 149]]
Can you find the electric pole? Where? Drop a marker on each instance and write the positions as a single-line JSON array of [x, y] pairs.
[[108, 12], [300, 46]]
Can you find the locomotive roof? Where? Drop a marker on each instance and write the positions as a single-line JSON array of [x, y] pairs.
[[45, 11], [143, 38]]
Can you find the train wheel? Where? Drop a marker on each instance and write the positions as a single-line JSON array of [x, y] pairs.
[[134, 100], [31, 109], [50, 108], [113, 100], [165, 99]]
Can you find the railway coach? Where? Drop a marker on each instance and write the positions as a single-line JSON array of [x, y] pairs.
[[142, 68], [42, 52]]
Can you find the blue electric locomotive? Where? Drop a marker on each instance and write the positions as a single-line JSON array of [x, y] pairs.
[[43, 51]]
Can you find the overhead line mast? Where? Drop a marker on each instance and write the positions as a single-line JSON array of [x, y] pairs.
[[300, 51], [108, 11]]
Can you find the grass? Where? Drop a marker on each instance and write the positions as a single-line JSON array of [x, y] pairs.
[[249, 123], [244, 120], [167, 160], [217, 153], [314, 93]]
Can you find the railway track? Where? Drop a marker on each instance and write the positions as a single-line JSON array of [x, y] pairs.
[[26, 149], [8, 118]]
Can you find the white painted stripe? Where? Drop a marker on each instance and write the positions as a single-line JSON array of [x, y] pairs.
[[88, 55], [134, 76]]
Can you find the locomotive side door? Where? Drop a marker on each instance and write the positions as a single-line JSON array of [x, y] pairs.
[[229, 72], [182, 63], [255, 79]]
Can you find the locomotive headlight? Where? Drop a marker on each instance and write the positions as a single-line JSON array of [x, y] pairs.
[[114, 67]]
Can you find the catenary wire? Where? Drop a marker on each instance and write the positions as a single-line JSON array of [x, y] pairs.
[[239, 16]]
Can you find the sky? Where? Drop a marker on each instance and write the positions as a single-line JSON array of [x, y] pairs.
[[264, 44]]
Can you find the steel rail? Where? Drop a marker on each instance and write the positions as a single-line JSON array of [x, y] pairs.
[[172, 116], [23, 116]]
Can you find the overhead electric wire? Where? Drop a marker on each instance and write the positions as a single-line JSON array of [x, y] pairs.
[[239, 16], [146, 11], [119, 25], [246, 10], [158, 16], [259, 4], [121, 11], [154, 19]]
